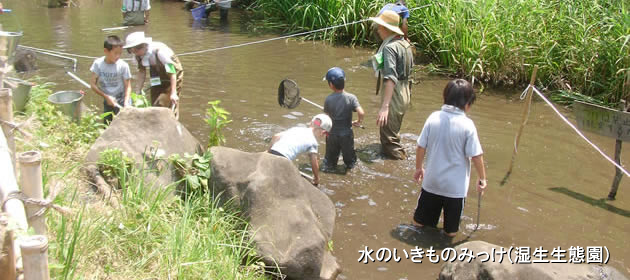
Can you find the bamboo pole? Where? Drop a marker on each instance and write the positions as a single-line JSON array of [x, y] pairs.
[[35, 255], [525, 116], [6, 115], [7, 256], [31, 183], [13, 207]]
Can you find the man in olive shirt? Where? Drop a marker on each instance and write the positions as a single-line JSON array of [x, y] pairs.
[[393, 62]]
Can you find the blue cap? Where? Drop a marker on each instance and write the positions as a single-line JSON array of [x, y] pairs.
[[335, 74]]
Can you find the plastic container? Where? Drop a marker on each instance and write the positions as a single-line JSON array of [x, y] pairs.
[[199, 13], [68, 102]]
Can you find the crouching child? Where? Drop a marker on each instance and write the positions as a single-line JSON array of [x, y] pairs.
[[297, 140]]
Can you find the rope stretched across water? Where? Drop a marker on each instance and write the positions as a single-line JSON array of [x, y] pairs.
[[578, 131], [231, 46]]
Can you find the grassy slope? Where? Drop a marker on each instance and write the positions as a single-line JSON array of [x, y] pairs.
[[149, 236]]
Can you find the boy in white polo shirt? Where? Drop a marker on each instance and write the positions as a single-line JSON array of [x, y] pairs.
[[449, 139]]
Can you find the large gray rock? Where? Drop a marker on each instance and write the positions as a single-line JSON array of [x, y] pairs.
[[463, 270], [136, 130], [292, 221]]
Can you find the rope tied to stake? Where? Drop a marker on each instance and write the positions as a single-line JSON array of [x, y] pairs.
[[45, 204], [563, 118], [16, 126]]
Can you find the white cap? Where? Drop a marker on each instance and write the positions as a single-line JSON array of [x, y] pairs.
[[136, 38], [322, 121]]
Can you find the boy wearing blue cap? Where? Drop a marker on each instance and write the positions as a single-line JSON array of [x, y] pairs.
[[339, 105]]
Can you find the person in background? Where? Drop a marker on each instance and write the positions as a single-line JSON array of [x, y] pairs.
[[167, 73], [224, 7], [297, 140], [339, 105], [449, 139], [401, 9], [111, 78], [392, 63], [135, 12]]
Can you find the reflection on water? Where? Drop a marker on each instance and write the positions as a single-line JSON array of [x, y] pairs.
[[552, 198]]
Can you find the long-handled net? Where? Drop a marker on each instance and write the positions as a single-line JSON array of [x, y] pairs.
[[289, 95]]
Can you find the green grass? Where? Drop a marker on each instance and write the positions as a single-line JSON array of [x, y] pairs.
[[581, 46], [152, 235]]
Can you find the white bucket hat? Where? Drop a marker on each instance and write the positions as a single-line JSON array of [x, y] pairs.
[[390, 20], [136, 38]]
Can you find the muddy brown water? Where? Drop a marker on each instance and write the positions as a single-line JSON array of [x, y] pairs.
[[552, 199]]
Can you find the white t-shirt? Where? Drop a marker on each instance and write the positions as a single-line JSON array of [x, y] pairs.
[[295, 141], [450, 139], [135, 5], [111, 77], [164, 53]]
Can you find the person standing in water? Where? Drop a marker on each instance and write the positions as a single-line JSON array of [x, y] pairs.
[[166, 72], [449, 140], [392, 63]]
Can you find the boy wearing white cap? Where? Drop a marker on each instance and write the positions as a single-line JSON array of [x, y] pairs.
[[297, 140], [392, 62], [166, 72]]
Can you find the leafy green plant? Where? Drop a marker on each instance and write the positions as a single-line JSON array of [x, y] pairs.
[[217, 118], [139, 100], [193, 169], [114, 163]]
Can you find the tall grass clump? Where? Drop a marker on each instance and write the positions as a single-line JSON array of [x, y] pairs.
[[296, 16], [580, 46], [153, 235]]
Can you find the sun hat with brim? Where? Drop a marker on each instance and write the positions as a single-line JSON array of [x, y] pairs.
[[136, 38], [390, 20]]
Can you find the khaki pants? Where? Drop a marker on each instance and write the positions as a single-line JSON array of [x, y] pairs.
[[390, 136]]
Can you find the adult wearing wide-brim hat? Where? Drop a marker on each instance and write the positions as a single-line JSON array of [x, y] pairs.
[[392, 64], [400, 7], [165, 71]]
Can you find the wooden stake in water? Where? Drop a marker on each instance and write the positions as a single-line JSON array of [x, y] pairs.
[[617, 179], [528, 102]]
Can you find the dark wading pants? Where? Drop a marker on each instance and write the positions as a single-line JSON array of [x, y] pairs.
[[336, 144]]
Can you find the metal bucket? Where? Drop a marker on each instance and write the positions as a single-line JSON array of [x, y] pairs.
[[68, 102], [8, 44], [21, 95]]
